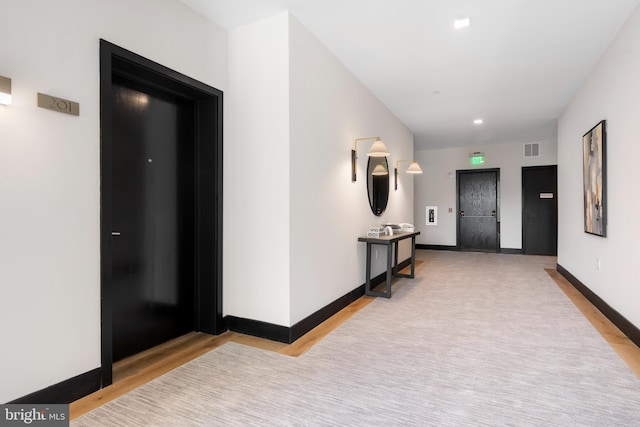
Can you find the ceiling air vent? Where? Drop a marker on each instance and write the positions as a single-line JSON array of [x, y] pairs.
[[532, 150]]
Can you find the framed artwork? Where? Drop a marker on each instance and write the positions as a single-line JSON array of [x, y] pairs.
[[594, 168], [432, 215]]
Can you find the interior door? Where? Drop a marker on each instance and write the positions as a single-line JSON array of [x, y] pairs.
[[152, 217], [540, 210], [478, 210]]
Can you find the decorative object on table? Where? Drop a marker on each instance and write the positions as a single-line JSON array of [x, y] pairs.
[[376, 231], [407, 228], [403, 226], [595, 179]]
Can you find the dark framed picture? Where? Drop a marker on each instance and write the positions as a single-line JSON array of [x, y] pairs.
[[594, 166]]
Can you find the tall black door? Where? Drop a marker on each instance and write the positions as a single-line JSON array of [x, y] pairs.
[[478, 210], [152, 217], [540, 210]]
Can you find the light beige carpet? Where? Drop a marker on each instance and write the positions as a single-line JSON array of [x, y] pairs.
[[475, 340]]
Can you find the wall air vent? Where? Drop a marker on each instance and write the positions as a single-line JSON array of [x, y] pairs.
[[532, 150]]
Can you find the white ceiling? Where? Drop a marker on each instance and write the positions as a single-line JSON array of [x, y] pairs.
[[517, 65]]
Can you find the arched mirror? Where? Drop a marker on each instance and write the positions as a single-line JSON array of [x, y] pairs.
[[378, 184]]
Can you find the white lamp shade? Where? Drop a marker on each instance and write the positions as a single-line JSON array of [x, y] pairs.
[[414, 168], [5, 90], [378, 149], [380, 170]]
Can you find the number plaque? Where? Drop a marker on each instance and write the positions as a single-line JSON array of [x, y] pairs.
[[58, 104]]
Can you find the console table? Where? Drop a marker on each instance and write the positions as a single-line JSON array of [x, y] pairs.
[[392, 270]]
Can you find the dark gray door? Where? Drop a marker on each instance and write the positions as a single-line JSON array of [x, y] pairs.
[[478, 210], [540, 210], [153, 217]]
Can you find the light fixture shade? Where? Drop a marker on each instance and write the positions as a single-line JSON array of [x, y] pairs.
[[380, 170], [378, 149], [5, 90], [414, 167], [462, 22]]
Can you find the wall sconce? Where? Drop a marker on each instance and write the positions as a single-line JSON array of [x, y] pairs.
[[5, 90], [414, 168], [378, 149]]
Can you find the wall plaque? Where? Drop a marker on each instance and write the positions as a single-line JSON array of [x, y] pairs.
[[58, 104]]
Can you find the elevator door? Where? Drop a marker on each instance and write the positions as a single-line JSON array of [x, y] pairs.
[[152, 217]]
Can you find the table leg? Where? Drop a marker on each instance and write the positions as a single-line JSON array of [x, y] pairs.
[[389, 271], [395, 258], [367, 283], [413, 256]]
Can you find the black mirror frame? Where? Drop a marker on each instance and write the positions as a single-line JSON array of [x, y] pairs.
[[379, 194]]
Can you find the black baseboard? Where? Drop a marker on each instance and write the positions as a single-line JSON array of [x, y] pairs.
[[310, 322], [436, 247], [627, 328], [259, 329], [65, 392], [89, 382], [511, 251], [288, 335], [455, 248]]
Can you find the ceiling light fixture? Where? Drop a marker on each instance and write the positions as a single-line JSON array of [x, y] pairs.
[[478, 122], [461, 23]]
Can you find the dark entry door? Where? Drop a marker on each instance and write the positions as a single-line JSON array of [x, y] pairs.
[[540, 210], [478, 210], [152, 217]]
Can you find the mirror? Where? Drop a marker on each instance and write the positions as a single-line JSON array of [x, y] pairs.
[[378, 185]]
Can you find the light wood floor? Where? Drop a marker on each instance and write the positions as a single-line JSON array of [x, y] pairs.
[[144, 367], [626, 349], [141, 368]]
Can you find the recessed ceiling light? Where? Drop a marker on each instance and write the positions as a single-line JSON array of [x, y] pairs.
[[477, 122], [461, 23]]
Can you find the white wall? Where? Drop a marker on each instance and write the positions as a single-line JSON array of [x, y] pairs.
[[436, 186], [256, 181], [611, 92], [329, 109], [292, 213], [50, 169]]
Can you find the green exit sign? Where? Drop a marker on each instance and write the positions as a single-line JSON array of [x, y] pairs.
[[477, 159]]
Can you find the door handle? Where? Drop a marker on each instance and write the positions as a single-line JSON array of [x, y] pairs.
[[115, 233], [493, 213], [461, 213]]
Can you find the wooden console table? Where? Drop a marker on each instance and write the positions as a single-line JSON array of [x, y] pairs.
[[392, 270]]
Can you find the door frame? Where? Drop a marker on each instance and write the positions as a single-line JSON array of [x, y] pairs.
[[207, 103], [471, 171], [555, 195]]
